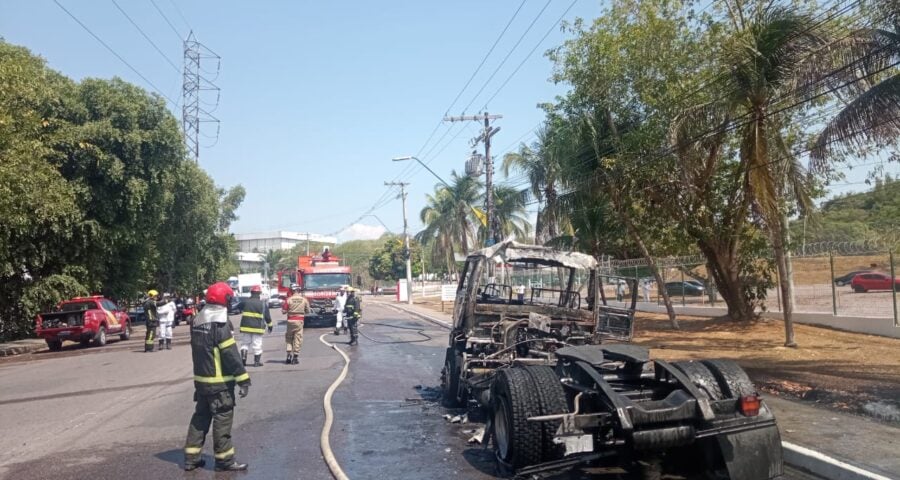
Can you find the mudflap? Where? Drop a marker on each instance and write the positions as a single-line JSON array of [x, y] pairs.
[[753, 454]]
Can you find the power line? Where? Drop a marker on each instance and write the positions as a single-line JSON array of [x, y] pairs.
[[412, 167], [96, 37], [163, 15], [178, 11], [509, 54], [483, 60], [514, 72], [147, 37]]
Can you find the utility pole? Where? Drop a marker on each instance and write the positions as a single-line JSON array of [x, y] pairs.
[[407, 252], [493, 230]]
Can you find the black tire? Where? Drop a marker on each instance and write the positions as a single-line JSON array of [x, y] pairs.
[[126, 332], [450, 378], [552, 401], [54, 345], [702, 377], [517, 442], [732, 379], [859, 289], [100, 339]]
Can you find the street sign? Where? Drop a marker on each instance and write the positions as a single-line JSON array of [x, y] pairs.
[[448, 292]]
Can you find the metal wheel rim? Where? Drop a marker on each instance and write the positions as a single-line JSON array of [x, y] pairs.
[[102, 335], [501, 429]]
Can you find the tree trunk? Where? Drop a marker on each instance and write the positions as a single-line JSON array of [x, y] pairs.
[[785, 279], [635, 235], [724, 269]]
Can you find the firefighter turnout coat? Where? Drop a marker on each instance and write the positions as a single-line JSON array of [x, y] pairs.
[[217, 362], [152, 318], [256, 316]]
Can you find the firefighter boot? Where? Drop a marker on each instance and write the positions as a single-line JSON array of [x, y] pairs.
[[244, 357], [232, 467], [257, 360], [289, 358], [168, 344], [193, 466], [162, 344], [353, 340], [295, 360]]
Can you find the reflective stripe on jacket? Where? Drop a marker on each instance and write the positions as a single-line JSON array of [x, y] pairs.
[[353, 307], [217, 361], [256, 316]]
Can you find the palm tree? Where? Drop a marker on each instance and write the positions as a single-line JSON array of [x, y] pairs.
[[874, 113], [540, 165], [771, 53], [449, 216], [510, 212]]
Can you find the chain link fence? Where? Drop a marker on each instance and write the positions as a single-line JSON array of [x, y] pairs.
[[823, 280]]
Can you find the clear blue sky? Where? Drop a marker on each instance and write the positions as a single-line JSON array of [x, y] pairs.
[[317, 97]]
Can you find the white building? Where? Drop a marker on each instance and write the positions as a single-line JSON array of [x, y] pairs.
[[266, 241]]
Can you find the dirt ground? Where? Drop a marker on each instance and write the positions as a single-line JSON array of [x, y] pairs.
[[846, 371], [849, 372]]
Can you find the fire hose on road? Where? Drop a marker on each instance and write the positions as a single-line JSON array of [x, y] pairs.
[[324, 442]]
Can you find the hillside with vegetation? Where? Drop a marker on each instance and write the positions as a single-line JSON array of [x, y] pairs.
[[871, 216]]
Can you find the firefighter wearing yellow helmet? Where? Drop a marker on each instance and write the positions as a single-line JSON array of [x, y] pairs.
[[151, 319]]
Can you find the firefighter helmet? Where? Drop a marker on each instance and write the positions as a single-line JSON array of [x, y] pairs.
[[219, 294], [255, 289], [152, 293]]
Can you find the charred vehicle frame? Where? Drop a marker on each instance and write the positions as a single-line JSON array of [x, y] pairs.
[[562, 386]]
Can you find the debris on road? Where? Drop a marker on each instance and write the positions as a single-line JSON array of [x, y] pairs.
[[478, 436], [456, 418]]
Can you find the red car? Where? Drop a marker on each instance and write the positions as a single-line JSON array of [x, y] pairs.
[[864, 282], [83, 319]]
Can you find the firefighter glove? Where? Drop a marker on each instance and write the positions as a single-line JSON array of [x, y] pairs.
[[244, 390], [269, 328]]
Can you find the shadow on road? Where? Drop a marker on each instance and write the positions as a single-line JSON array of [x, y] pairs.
[[175, 456]]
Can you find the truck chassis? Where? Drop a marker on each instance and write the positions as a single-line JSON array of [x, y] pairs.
[[562, 387]]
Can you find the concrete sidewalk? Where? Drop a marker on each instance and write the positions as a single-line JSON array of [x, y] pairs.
[[855, 440]]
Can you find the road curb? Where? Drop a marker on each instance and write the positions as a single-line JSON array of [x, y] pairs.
[[21, 347], [824, 466], [420, 315]]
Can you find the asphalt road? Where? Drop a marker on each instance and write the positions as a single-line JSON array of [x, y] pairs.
[[116, 412]]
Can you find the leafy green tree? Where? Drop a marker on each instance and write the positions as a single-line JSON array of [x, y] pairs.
[[389, 262], [96, 195]]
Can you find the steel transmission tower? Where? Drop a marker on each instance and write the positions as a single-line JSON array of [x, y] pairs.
[[196, 89]]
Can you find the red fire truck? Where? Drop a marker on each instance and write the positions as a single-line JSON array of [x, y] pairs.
[[319, 277]]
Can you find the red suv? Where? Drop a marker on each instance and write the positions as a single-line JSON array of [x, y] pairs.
[[864, 282]]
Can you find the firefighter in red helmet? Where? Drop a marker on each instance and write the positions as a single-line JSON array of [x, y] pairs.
[[217, 368]]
